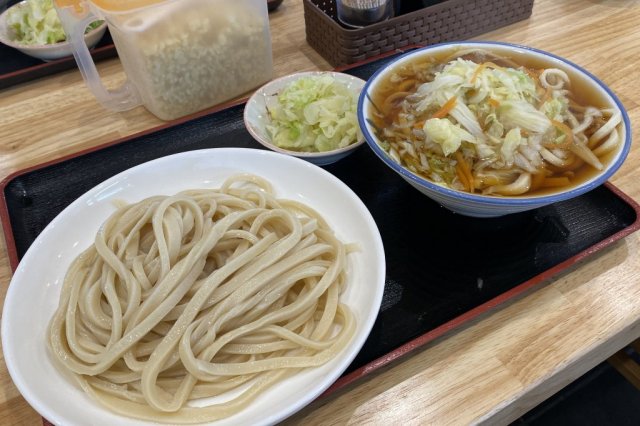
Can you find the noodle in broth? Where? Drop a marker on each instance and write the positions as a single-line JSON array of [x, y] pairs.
[[194, 295], [481, 123]]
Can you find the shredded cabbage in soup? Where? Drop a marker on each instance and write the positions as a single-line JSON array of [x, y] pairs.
[[491, 126]]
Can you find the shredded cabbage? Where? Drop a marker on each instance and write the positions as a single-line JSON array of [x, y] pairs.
[[497, 104], [446, 134], [511, 143], [522, 114], [36, 22], [314, 114], [555, 108], [483, 126]]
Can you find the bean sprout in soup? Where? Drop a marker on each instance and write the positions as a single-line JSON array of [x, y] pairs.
[[486, 124]]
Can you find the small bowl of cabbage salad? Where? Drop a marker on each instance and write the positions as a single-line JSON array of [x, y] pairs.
[[33, 28], [309, 115]]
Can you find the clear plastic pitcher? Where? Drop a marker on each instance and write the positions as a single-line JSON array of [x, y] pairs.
[[180, 56]]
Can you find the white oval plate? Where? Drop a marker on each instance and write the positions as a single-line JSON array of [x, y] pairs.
[[33, 294]]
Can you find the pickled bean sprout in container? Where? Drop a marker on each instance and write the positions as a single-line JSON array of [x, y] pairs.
[[180, 56]]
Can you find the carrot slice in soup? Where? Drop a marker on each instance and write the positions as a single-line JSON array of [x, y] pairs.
[[446, 108]]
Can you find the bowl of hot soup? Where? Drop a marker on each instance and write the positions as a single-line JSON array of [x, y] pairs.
[[487, 129]]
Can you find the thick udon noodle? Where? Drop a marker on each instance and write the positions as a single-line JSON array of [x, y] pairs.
[[194, 295], [547, 157]]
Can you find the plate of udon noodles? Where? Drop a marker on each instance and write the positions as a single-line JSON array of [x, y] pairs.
[[223, 286]]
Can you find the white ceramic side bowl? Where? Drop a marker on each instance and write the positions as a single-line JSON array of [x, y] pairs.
[[46, 52], [256, 117], [492, 206]]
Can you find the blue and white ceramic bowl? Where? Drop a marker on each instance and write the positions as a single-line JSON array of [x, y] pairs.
[[491, 206]]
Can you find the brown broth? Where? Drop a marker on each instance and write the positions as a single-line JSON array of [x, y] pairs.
[[581, 91]]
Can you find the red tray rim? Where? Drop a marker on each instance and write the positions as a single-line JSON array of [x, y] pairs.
[[491, 304], [407, 347], [28, 71]]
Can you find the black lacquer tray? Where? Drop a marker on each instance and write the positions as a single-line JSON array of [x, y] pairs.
[[442, 269], [16, 67]]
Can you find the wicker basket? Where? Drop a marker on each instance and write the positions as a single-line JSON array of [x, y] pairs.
[[446, 21]]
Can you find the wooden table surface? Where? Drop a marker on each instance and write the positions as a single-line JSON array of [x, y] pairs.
[[492, 370]]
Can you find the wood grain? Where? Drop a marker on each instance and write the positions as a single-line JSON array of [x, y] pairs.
[[496, 368], [626, 366]]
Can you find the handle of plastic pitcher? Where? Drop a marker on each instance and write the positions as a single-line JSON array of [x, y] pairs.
[[75, 16]]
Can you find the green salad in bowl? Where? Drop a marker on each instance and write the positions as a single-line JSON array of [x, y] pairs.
[[310, 115], [313, 113], [33, 27], [35, 22]]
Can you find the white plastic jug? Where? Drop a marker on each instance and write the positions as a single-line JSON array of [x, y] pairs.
[[180, 56]]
